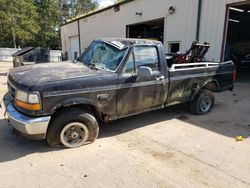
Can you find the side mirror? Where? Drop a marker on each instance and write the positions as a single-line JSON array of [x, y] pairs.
[[145, 72]]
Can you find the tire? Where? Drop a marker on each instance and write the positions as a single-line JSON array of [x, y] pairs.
[[203, 103], [72, 128]]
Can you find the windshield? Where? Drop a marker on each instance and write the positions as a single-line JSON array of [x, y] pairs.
[[102, 56]]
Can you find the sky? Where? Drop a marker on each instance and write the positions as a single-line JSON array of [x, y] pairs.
[[105, 3]]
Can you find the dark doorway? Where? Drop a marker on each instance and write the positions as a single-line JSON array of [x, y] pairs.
[[237, 46], [147, 30]]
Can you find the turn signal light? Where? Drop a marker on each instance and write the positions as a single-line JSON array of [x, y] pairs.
[[28, 106]]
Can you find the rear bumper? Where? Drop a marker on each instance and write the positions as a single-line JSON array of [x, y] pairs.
[[32, 127]]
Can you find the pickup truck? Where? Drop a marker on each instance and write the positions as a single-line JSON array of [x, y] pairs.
[[65, 102]]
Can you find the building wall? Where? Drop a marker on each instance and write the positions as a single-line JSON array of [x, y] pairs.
[[55, 55], [212, 25], [6, 53], [113, 24], [180, 26], [67, 31]]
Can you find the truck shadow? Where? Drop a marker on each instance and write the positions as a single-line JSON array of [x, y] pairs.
[[180, 112], [14, 146]]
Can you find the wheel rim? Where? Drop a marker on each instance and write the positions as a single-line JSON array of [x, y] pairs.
[[74, 134], [205, 104]]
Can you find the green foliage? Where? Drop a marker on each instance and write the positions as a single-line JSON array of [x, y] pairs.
[[49, 19], [36, 22], [73, 8], [82, 6], [17, 22], [118, 1]]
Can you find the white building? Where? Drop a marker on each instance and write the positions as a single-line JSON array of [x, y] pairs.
[[177, 23]]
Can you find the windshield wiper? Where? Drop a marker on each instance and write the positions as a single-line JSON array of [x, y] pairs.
[[92, 66]]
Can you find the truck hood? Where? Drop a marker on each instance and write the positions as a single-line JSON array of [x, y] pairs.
[[50, 72]]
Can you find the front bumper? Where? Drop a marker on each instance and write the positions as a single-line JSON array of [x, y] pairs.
[[32, 127]]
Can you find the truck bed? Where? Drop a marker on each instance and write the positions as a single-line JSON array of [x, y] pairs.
[[188, 77]]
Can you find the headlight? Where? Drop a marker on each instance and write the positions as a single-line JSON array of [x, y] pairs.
[[28, 101], [33, 98], [22, 96]]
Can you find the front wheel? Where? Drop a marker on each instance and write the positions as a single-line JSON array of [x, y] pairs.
[[203, 103], [72, 128]]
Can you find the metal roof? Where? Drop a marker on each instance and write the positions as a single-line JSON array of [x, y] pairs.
[[96, 12]]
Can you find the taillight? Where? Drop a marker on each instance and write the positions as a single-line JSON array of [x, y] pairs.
[[234, 75]]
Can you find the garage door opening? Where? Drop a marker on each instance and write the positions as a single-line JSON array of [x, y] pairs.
[[73, 47], [147, 30], [237, 43]]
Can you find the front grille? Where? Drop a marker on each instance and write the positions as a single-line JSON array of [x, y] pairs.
[[12, 91]]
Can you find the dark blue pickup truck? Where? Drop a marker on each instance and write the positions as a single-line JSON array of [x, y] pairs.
[[112, 79]]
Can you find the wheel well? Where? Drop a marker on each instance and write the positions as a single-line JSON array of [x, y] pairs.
[[88, 107], [212, 86]]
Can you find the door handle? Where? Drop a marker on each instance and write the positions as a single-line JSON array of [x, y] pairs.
[[160, 78]]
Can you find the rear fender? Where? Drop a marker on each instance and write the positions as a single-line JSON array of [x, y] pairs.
[[210, 84]]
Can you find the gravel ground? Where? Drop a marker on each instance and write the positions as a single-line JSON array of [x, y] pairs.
[[164, 148]]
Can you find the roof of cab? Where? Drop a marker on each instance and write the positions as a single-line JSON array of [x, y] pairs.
[[125, 42]]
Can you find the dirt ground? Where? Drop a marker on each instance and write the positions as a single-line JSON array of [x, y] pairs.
[[164, 148]]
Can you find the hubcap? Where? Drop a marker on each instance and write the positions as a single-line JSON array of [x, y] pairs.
[[205, 104], [74, 134]]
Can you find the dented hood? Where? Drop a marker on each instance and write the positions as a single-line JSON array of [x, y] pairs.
[[49, 72]]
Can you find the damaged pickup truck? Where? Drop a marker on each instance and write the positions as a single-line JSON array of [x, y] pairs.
[[114, 78]]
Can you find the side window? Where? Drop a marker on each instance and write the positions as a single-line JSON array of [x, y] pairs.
[[146, 56], [130, 66]]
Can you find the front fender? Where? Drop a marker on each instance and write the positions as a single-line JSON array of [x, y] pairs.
[[76, 101]]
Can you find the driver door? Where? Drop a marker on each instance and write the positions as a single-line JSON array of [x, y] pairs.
[[135, 94]]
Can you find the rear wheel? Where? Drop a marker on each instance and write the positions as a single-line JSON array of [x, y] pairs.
[[203, 103], [72, 128]]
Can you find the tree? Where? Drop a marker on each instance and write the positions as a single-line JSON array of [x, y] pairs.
[[17, 22], [52, 13], [83, 6], [37, 22], [64, 6], [49, 13], [73, 8], [118, 1]]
